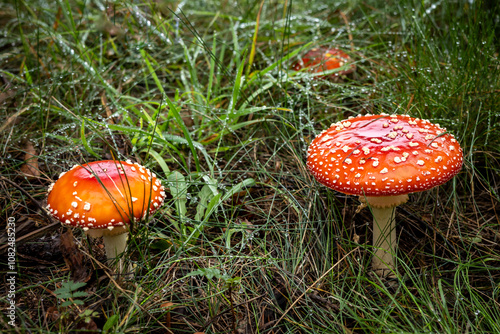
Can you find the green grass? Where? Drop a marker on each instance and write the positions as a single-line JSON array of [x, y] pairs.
[[247, 239]]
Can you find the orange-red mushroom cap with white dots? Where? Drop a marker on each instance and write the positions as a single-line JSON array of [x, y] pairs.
[[105, 194], [384, 155], [322, 59]]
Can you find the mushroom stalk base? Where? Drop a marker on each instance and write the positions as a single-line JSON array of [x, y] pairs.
[[115, 245], [384, 232], [384, 240], [115, 242]]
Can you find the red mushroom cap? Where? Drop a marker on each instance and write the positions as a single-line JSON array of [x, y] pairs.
[[382, 155], [322, 59], [104, 194]]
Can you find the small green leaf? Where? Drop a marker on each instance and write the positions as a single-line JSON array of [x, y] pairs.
[[205, 195], [27, 75], [212, 183], [206, 272], [236, 93], [238, 187], [160, 245], [67, 288], [86, 313], [212, 206], [158, 159], [232, 280], [110, 323], [84, 141], [78, 294], [178, 188]]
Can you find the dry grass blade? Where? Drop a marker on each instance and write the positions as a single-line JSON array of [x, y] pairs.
[[313, 284]]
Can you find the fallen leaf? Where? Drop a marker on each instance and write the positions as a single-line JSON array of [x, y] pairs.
[[167, 305], [52, 314], [6, 94], [74, 258], [30, 166], [12, 119], [87, 324]]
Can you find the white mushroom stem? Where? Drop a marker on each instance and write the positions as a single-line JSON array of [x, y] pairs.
[[115, 245], [384, 232], [115, 242], [384, 240]]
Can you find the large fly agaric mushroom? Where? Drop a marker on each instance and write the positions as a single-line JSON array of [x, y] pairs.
[[103, 197], [323, 59], [383, 158]]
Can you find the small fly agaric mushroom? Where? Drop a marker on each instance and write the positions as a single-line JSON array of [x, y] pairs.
[[383, 158], [322, 59], [103, 197]]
